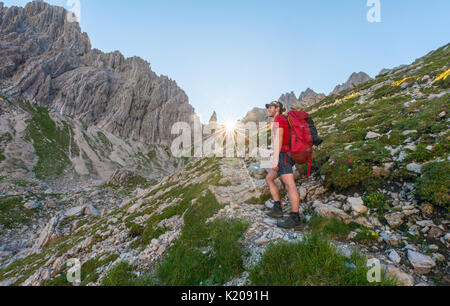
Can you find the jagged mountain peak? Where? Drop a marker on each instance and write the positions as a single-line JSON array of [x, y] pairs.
[[354, 80], [50, 61]]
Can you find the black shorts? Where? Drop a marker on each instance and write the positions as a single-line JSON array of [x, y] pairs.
[[285, 164]]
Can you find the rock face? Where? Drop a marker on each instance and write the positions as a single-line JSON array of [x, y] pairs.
[[256, 115], [48, 60], [354, 80], [213, 118], [307, 98]]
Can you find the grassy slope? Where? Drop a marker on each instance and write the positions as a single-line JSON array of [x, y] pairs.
[[385, 113]]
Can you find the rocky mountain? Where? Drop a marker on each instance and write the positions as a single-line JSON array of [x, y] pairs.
[[41, 145], [213, 118], [71, 114], [48, 60], [354, 80], [256, 115], [307, 98], [379, 190]]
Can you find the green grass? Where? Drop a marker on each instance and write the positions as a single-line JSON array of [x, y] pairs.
[[331, 228], [377, 201], [434, 185], [314, 262], [4, 140], [13, 213], [51, 144], [122, 275], [187, 264]]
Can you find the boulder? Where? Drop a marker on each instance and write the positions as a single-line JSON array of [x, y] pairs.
[[422, 264], [92, 211], [394, 257], [372, 135], [77, 211], [395, 219], [30, 205], [402, 278], [413, 167], [357, 205], [49, 233], [328, 211]]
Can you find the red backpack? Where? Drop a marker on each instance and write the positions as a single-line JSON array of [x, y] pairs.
[[302, 140]]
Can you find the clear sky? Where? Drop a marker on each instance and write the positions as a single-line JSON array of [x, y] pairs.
[[233, 55]]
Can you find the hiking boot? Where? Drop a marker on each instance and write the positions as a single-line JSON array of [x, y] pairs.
[[292, 222], [276, 212]]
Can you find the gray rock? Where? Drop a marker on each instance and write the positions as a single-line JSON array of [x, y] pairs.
[[422, 264], [30, 205], [372, 135], [328, 211], [354, 80], [357, 205], [394, 257], [92, 211], [413, 167], [394, 219], [402, 278], [49, 233], [408, 132], [47, 59], [75, 211], [307, 98]]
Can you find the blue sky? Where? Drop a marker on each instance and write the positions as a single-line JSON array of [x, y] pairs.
[[233, 55]]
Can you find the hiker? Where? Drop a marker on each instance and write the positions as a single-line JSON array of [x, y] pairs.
[[301, 127], [282, 166]]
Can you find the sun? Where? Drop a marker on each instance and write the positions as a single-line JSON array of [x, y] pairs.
[[230, 126]]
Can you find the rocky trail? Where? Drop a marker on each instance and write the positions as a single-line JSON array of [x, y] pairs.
[[315, 199]]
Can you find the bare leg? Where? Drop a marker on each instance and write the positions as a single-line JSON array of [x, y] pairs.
[[270, 180], [294, 196]]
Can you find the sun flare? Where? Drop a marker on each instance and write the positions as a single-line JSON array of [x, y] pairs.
[[230, 126]]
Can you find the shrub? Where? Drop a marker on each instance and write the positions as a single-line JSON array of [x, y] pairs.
[[434, 185], [378, 201]]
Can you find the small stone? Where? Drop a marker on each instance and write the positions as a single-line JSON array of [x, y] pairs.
[[413, 167], [372, 135], [438, 257], [402, 278], [409, 132], [91, 210], [427, 209], [435, 232], [447, 237], [395, 219], [75, 211], [357, 205], [422, 264], [31, 205], [269, 204], [394, 257]]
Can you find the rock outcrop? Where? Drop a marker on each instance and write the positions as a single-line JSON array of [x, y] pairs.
[[354, 80], [48, 60], [213, 118], [256, 115], [307, 98]]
